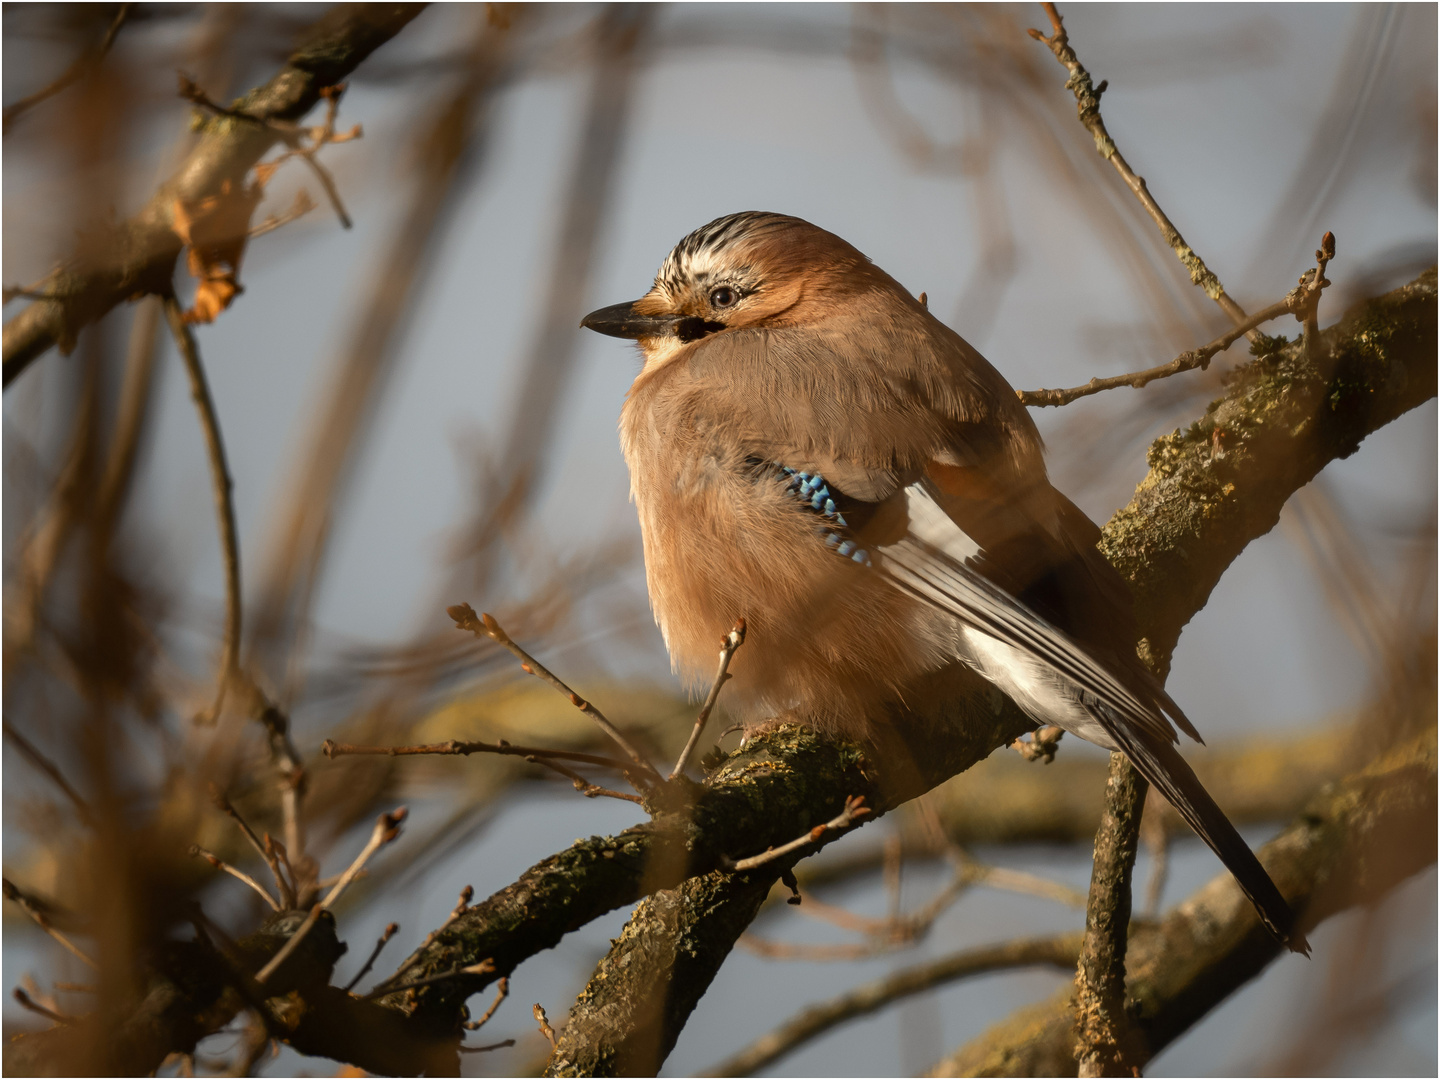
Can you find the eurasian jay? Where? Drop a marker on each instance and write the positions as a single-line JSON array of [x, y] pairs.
[[810, 449]]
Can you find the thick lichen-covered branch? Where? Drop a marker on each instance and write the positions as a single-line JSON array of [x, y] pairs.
[[1356, 840], [1221, 483], [138, 254]]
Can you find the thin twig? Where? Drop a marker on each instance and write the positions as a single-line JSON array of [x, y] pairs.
[[291, 890], [331, 749], [544, 1022], [728, 645], [1313, 283], [390, 932], [267, 853], [302, 205], [188, 89], [870, 997], [1087, 101], [387, 828], [223, 488], [1186, 361], [1104, 1034], [84, 61], [1302, 301], [32, 908], [484, 967], [220, 864], [502, 991], [466, 619], [27, 1002], [49, 768], [466, 895], [855, 809], [292, 134], [291, 945], [483, 1049], [585, 787]]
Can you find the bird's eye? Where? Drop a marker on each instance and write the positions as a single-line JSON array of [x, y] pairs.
[[723, 297]]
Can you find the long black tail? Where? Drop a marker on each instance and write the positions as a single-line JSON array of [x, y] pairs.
[[1161, 764]]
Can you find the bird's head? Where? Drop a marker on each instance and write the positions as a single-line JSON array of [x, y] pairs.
[[752, 269]]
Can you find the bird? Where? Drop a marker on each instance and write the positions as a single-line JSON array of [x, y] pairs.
[[813, 451]]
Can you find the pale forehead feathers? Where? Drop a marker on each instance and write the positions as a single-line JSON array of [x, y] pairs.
[[714, 251]]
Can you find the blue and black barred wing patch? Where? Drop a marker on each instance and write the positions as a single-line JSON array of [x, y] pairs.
[[836, 515]]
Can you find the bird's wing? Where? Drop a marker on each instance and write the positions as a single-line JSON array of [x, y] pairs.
[[942, 564], [938, 561]]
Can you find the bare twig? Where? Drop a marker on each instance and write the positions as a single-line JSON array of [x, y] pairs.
[[223, 487], [1104, 1037], [293, 136], [291, 945], [728, 645], [221, 864], [265, 852], [544, 1022], [589, 790], [466, 619], [390, 932], [49, 768], [1087, 100], [290, 889], [484, 967], [86, 61], [27, 1002], [502, 991], [387, 828], [897, 930], [331, 749], [485, 1049], [34, 909], [1312, 284], [302, 205], [1187, 361], [1057, 952], [855, 809]]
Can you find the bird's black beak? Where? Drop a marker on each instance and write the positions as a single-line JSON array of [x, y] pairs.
[[621, 320]]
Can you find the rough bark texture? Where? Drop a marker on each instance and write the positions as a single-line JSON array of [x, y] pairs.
[[1221, 483], [1102, 1047], [137, 256], [626, 1020], [1356, 840]]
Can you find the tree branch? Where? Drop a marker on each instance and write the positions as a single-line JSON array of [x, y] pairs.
[[1087, 103], [1059, 951], [1102, 1047], [1354, 842], [139, 254]]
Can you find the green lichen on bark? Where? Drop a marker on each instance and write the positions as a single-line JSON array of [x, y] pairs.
[[1221, 482]]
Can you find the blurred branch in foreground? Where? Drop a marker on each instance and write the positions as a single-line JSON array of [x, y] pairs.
[[139, 254]]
